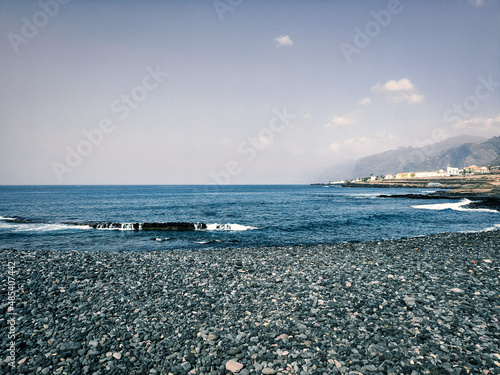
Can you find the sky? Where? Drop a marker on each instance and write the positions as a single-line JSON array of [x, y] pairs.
[[236, 91]]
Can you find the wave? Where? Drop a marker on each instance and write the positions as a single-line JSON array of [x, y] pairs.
[[455, 206], [364, 195], [39, 227], [229, 227], [172, 226], [490, 229], [116, 226], [17, 223], [205, 242]]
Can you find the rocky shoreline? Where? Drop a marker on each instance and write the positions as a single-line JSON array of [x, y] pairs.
[[426, 305]]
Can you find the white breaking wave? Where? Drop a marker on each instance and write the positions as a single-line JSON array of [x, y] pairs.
[[204, 242], [40, 227], [456, 206], [6, 218], [364, 195], [123, 226], [495, 227], [229, 227]]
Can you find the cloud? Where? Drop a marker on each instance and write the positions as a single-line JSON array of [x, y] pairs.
[[404, 84], [365, 101], [477, 3], [294, 148], [362, 146], [339, 121], [266, 141], [398, 91], [283, 41], [480, 123]]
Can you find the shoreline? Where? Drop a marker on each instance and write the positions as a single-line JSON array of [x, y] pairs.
[[482, 197], [425, 304]]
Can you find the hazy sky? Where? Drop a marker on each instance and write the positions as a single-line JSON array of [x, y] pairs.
[[237, 91]]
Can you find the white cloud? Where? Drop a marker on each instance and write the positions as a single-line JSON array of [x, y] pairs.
[[335, 147], [339, 121], [404, 84], [265, 141], [283, 40], [414, 98], [365, 101], [476, 3], [480, 123], [398, 91], [362, 146], [294, 148]]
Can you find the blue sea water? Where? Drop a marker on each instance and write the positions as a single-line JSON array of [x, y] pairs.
[[58, 217]]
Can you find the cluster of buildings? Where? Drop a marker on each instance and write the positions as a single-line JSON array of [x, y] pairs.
[[449, 172]]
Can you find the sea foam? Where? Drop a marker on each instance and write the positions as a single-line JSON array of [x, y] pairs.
[[229, 227], [39, 227], [456, 206]]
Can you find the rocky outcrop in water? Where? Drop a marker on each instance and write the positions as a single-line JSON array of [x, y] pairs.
[[150, 226]]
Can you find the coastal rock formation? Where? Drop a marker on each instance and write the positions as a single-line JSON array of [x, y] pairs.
[[151, 226]]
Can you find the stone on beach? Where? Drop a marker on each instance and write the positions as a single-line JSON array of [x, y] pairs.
[[233, 366], [268, 371], [192, 312]]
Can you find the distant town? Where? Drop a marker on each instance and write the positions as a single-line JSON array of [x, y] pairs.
[[449, 172]]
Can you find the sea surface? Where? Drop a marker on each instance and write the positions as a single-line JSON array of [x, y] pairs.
[[61, 217]]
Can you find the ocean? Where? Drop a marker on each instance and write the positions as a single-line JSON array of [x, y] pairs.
[[111, 218]]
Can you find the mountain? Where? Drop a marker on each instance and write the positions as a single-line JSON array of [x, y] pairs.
[[450, 152], [457, 151]]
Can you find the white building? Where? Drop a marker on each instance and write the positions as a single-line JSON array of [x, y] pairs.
[[452, 171], [440, 173]]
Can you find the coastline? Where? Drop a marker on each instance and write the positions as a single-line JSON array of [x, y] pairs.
[[425, 304], [483, 194]]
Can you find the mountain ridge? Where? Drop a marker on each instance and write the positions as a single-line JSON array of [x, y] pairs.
[[459, 151]]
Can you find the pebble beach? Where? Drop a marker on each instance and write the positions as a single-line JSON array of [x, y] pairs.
[[425, 305]]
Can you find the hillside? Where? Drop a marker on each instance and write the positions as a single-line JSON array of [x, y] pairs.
[[457, 151]]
